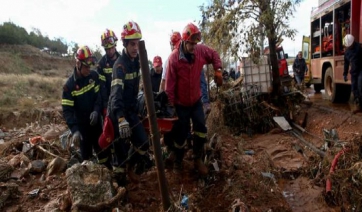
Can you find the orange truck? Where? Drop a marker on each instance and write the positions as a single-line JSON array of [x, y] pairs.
[[282, 58], [323, 49]]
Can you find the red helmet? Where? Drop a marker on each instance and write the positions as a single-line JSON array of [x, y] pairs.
[[85, 56], [191, 33], [131, 30], [108, 39], [175, 38]]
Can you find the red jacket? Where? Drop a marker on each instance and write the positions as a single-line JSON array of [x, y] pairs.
[[183, 78]]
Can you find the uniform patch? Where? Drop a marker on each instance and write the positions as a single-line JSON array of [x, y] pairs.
[[65, 88], [76, 87]]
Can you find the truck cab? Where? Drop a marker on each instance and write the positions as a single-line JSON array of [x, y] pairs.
[[282, 59]]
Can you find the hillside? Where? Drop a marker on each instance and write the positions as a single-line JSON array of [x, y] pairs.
[[30, 81], [26, 59]]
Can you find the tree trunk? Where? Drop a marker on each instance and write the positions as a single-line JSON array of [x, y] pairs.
[[274, 65]]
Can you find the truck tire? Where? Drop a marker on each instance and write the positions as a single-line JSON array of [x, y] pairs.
[[307, 85], [317, 87], [336, 93]]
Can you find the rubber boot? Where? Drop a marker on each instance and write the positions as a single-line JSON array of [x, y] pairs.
[[120, 177], [198, 148], [179, 156], [133, 158]]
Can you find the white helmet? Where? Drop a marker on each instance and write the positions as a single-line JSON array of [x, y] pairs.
[[348, 40]]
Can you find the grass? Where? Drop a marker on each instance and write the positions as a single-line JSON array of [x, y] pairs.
[[31, 90]]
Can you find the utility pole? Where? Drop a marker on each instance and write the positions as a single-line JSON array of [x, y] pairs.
[[147, 87]]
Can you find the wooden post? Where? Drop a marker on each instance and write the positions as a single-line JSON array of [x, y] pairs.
[[147, 88]]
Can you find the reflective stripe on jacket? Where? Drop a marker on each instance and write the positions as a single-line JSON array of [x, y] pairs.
[[124, 86], [105, 69], [81, 96]]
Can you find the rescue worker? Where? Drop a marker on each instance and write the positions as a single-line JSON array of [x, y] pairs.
[[299, 69], [105, 65], [123, 106], [183, 89], [175, 40], [82, 105], [156, 73], [353, 58]]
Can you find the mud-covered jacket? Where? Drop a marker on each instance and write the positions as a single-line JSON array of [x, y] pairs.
[[125, 86], [155, 80], [353, 57], [299, 66], [104, 69], [81, 96], [183, 77]]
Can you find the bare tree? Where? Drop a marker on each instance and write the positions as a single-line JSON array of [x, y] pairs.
[[235, 27]]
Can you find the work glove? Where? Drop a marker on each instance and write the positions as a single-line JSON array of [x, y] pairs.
[[207, 108], [218, 77], [93, 118], [124, 130], [76, 138], [345, 78]]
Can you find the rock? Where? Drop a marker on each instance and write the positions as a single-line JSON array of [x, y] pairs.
[[56, 166], [89, 183], [2, 141], [51, 134], [2, 134], [8, 191], [38, 166], [52, 206], [5, 171], [18, 160], [7, 138]]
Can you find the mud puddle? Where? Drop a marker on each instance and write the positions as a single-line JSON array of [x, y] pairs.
[[303, 196]]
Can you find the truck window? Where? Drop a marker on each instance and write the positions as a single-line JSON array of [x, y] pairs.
[[305, 50]]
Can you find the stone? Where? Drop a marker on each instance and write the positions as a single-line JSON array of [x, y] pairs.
[[89, 183], [56, 166], [2, 134], [5, 170], [38, 166]]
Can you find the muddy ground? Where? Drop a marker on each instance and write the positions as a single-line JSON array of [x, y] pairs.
[[281, 174]]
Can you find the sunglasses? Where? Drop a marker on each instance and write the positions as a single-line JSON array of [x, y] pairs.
[[108, 41]]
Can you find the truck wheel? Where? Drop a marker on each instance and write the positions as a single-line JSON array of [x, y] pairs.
[[317, 87], [307, 85], [336, 93]]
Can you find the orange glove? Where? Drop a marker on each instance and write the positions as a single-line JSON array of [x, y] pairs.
[[218, 77]]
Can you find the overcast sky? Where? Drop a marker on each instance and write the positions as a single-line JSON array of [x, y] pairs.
[[83, 21]]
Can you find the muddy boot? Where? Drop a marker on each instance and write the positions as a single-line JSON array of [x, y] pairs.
[[120, 178], [198, 148], [179, 156], [144, 163]]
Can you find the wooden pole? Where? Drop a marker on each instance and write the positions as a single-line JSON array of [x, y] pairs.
[[147, 88]]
